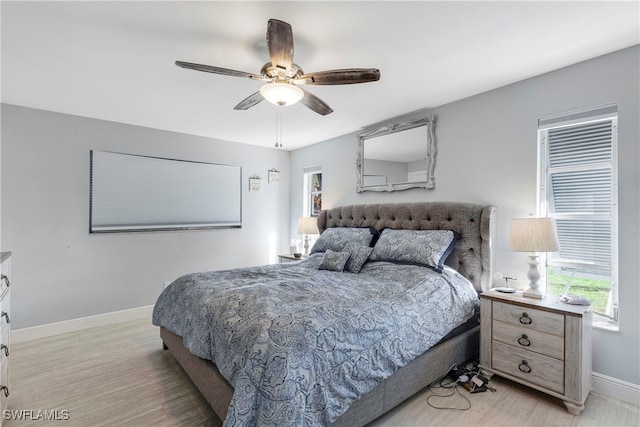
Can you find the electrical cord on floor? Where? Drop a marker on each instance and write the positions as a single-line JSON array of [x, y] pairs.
[[453, 386]]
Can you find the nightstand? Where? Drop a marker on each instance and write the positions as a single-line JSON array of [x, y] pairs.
[[544, 344], [288, 258]]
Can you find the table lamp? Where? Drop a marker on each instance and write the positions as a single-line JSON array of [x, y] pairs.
[[533, 235], [307, 225]]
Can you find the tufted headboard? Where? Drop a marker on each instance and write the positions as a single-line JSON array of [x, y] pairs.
[[472, 255]]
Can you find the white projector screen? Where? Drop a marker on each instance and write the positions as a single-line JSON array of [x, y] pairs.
[[138, 193]]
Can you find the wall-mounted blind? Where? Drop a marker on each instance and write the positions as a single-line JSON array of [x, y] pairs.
[[139, 193]]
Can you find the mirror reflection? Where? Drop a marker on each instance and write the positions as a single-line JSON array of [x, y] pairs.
[[397, 156]]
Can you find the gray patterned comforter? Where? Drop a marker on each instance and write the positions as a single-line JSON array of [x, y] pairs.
[[299, 344]]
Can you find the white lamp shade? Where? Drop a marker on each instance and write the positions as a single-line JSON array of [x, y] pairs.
[[533, 235], [281, 93], [308, 225]]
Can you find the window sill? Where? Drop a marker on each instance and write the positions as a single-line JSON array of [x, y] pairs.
[[604, 323]]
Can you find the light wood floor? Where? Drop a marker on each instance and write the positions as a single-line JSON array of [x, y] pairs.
[[120, 376]]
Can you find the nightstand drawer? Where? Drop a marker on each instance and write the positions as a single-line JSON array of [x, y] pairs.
[[529, 318], [529, 339], [533, 367]]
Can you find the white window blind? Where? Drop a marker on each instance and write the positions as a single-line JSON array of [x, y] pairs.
[[580, 194]]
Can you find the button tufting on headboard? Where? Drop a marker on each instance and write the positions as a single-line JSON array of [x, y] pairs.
[[474, 223]]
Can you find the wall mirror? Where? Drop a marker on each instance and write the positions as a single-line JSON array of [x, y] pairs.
[[397, 156]]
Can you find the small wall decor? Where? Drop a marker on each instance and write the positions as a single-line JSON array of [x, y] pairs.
[[254, 183], [274, 176]]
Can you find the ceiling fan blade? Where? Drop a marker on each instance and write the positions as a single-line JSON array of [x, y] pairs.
[[340, 77], [280, 44], [315, 104], [249, 101], [217, 70]]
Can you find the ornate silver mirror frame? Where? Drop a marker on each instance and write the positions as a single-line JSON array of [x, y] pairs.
[[429, 155]]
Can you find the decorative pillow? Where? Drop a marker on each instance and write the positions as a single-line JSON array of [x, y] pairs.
[[359, 255], [337, 238], [423, 247], [334, 261]]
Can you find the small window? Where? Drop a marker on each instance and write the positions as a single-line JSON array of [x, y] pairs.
[[312, 191], [578, 183]]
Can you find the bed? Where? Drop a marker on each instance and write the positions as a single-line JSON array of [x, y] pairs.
[[319, 358]]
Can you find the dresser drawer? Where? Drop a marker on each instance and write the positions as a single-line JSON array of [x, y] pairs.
[[535, 368], [4, 281], [4, 376], [5, 306], [4, 350], [529, 339], [529, 318]]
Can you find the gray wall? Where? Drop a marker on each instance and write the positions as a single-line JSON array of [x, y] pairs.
[[61, 272], [487, 148]]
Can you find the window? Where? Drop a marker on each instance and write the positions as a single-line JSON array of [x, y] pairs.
[[578, 183], [312, 191]]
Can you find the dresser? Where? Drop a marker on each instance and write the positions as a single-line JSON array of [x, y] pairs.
[[5, 300], [544, 344]]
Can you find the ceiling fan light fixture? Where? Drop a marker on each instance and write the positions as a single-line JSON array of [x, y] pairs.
[[282, 75], [281, 93]]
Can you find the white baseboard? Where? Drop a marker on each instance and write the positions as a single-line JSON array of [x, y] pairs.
[[601, 384], [72, 325], [615, 388]]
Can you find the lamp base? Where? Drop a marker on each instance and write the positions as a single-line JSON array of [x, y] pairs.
[[534, 276], [532, 293], [306, 245]]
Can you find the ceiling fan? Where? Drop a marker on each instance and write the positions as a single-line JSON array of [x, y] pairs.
[[283, 77]]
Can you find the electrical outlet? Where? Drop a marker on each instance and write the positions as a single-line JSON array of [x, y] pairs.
[[167, 283]]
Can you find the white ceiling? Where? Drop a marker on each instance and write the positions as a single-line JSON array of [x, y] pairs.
[[115, 60]]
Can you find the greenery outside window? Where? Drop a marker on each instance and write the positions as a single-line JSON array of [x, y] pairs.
[[578, 188], [312, 191]]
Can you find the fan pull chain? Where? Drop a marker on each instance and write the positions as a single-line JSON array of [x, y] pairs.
[[278, 130]]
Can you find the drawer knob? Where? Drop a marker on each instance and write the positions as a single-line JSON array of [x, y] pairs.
[[6, 279], [524, 340], [5, 348], [6, 390], [525, 319], [5, 314], [524, 367]]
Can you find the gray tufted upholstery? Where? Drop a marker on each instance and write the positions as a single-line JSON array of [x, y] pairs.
[[472, 255]]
